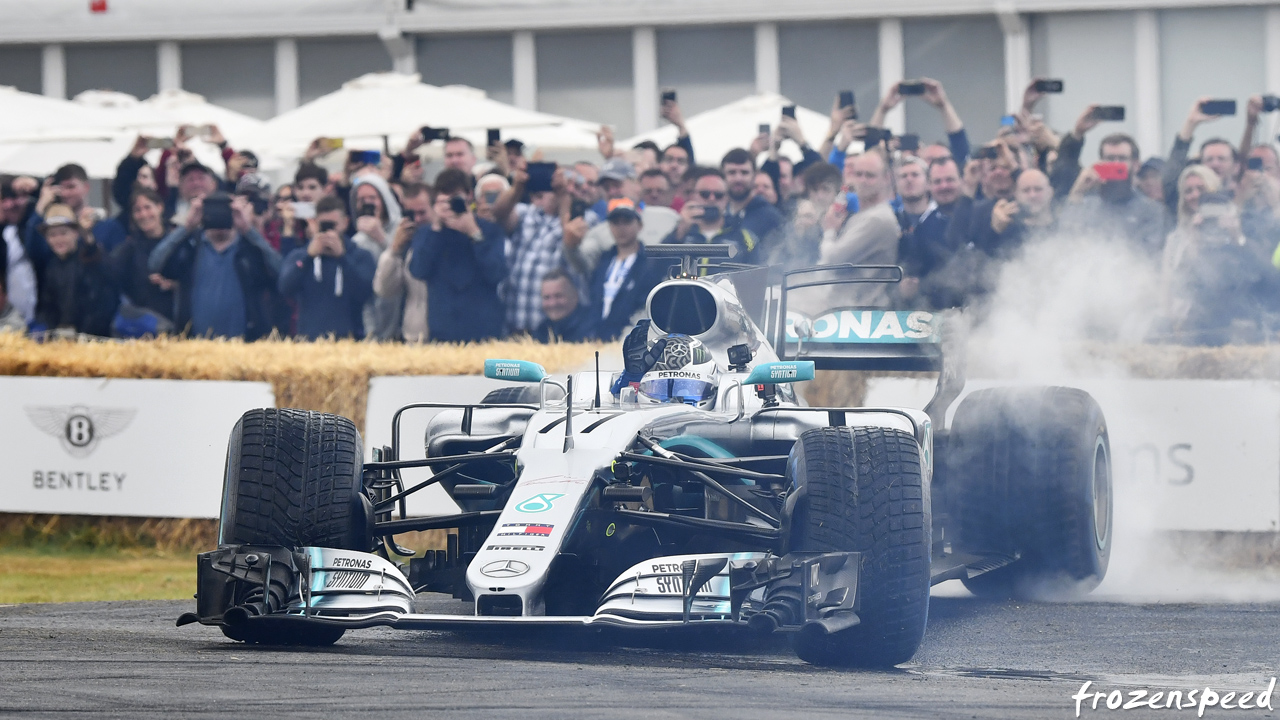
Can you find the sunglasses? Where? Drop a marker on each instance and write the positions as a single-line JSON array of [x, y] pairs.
[[711, 194]]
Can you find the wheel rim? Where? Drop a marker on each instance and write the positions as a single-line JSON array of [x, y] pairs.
[[1101, 495]]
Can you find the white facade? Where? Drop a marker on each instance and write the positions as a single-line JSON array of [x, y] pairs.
[[605, 60]]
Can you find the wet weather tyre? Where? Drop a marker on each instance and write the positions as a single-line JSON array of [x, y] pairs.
[[1033, 469], [863, 490], [515, 394], [293, 478]]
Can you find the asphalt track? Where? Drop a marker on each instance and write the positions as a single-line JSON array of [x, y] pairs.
[[979, 660]]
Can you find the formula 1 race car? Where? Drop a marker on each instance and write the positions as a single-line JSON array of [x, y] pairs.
[[690, 490]]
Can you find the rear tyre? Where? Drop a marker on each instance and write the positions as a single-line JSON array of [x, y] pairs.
[[862, 490], [1033, 474], [293, 478]]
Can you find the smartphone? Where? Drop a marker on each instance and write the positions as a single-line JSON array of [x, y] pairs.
[[364, 157], [495, 137], [304, 210], [159, 143], [789, 111], [1270, 103], [911, 87], [1112, 171], [846, 98], [876, 135], [430, 133], [1109, 113], [216, 213], [710, 213], [330, 144], [367, 210], [765, 129], [989, 152], [1048, 86], [328, 225], [458, 205], [909, 142], [203, 131], [1254, 163], [668, 96], [1008, 121], [1218, 107]]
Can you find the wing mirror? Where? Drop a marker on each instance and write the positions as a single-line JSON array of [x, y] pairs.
[[515, 370], [776, 373]]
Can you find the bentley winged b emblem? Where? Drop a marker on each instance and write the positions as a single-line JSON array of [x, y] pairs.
[[79, 428]]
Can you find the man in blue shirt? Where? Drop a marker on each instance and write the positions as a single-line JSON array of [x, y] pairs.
[[330, 278]]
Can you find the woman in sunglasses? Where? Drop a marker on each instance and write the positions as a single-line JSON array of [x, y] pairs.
[[702, 219]]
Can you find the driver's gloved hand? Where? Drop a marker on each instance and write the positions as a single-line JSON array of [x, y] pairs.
[[637, 356]]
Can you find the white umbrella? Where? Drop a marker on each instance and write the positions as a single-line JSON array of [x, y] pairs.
[[24, 114], [185, 108], [391, 105], [717, 131]]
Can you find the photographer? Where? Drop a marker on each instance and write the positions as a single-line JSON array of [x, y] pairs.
[[537, 245], [1208, 274], [702, 219], [936, 96], [461, 259], [226, 272], [377, 217], [392, 282], [1215, 153], [1110, 206], [869, 237], [330, 279], [69, 186]]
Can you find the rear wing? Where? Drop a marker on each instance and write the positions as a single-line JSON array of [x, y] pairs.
[[837, 335]]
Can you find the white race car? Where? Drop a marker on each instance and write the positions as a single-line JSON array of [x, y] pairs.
[[690, 490]]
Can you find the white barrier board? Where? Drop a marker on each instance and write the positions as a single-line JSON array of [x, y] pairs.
[[95, 446], [389, 394], [1198, 455]]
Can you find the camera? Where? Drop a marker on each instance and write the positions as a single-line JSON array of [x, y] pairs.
[[990, 152], [909, 142], [876, 135], [1270, 103], [710, 213], [911, 87], [1108, 113], [328, 226], [217, 212], [367, 210], [1048, 86], [458, 205]]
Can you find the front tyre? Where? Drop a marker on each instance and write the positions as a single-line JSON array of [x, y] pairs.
[[293, 479], [862, 490]]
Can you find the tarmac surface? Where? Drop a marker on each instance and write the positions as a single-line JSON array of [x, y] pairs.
[[979, 660]]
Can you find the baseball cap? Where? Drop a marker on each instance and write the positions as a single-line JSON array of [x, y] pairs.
[[621, 209], [195, 166], [514, 145], [617, 169], [1151, 165], [57, 215]]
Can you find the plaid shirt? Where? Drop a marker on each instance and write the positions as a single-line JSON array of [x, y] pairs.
[[535, 248]]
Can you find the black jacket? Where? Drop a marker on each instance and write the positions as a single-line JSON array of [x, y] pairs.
[[575, 327], [321, 310], [640, 279], [462, 278], [128, 264], [257, 272], [78, 291]]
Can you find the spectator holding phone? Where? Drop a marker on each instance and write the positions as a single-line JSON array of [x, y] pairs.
[[225, 271], [1103, 201], [932, 92], [69, 187], [461, 259], [132, 173], [1215, 153], [77, 292], [392, 282], [869, 237], [331, 279], [377, 217], [535, 248], [702, 219]]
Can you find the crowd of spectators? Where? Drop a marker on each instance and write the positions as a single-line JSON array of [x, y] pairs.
[[502, 244]]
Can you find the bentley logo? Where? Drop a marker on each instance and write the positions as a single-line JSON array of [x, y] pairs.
[[504, 569], [79, 428]]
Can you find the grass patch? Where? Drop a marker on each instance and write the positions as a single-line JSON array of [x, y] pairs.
[[36, 575]]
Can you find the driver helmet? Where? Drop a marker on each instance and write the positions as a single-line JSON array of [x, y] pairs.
[[684, 374]]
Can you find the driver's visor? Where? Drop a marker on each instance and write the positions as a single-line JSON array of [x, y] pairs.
[[678, 389]]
